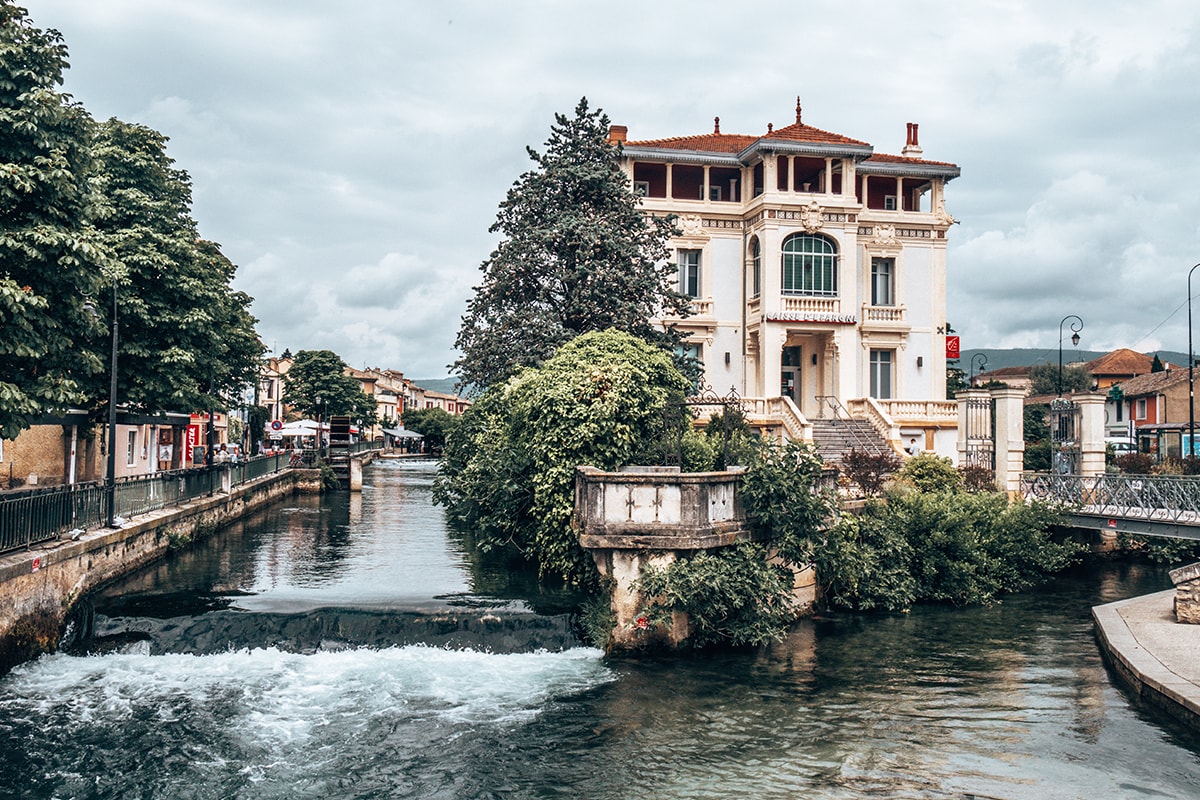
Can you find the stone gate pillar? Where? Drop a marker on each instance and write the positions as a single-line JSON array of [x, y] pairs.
[[966, 399], [1091, 433], [1010, 438]]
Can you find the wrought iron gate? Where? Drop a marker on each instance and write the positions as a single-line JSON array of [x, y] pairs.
[[1065, 436], [981, 432], [728, 410]]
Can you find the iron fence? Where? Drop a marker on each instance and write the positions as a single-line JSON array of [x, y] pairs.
[[1162, 498], [33, 516]]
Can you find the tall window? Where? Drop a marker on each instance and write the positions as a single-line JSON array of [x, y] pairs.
[[689, 272], [881, 374], [809, 265], [756, 261], [692, 354], [883, 281], [131, 448]]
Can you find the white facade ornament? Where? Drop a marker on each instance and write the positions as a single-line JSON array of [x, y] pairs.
[[883, 235], [692, 225], [811, 217], [943, 216]]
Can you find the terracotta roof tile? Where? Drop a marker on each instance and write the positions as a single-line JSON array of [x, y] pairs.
[[1152, 382], [705, 143], [884, 158], [1121, 362], [807, 133]]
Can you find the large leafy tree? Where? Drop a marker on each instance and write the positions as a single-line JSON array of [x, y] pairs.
[[1044, 378], [50, 258], [508, 475], [187, 340], [577, 255], [317, 383]]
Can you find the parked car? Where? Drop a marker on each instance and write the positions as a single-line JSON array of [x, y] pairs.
[[1120, 445]]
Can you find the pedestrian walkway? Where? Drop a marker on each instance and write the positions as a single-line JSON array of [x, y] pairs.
[[1158, 657]]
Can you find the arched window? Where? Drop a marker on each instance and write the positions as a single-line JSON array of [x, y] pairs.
[[756, 262], [809, 265]]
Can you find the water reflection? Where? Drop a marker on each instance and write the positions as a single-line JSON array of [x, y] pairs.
[[320, 698]]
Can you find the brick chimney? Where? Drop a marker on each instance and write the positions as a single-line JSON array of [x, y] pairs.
[[912, 148], [617, 134]]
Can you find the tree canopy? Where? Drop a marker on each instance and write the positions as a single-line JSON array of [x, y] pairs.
[[88, 211], [1043, 378], [317, 383], [189, 334], [508, 475], [577, 255], [50, 259]]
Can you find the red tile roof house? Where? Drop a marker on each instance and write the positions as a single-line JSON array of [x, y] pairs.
[[816, 267]]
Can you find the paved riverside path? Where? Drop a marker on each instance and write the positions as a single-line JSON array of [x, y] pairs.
[[1158, 657]]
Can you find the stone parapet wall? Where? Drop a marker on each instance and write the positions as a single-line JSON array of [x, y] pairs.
[[1187, 593]]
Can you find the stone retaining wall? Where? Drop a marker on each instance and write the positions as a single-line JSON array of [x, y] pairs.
[[39, 587], [1187, 593]]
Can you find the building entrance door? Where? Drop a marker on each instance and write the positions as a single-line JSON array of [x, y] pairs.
[[789, 385]]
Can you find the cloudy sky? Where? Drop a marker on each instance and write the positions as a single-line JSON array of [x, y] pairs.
[[350, 157]]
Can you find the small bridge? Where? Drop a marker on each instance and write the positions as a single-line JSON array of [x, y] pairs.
[[1143, 505]]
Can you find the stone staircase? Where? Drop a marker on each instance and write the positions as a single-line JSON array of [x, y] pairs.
[[836, 437]]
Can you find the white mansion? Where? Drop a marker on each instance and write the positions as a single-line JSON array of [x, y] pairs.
[[818, 268]]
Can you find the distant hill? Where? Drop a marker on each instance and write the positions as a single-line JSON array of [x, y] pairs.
[[1030, 356], [443, 385]]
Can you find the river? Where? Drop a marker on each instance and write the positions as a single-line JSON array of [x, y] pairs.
[[349, 647]]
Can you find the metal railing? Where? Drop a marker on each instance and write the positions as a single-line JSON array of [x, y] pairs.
[[33, 516], [1159, 498]]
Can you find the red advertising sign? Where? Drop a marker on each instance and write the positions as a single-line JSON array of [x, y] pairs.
[[193, 439], [952, 348]]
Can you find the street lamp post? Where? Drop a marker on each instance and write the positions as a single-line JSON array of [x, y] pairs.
[[1191, 379], [1074, 340], [110, 487], [979, 360]]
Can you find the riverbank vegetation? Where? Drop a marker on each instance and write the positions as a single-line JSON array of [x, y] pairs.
[[927, 538], [508, 472]]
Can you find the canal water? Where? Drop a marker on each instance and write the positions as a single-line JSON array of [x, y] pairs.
[[351, 647]]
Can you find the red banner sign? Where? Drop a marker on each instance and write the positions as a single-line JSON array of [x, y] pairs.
[[952, 348]]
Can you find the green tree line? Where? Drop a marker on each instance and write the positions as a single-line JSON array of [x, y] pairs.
[[96, 225]]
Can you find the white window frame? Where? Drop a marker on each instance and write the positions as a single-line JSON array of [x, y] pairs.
[[806, 270], [641, 188], [883, 281], [689, 272], [882, 374], [756, 267], [1141, 408], [889, 202], [131, 447]]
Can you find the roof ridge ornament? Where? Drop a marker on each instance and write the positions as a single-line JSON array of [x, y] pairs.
[[716, 124], [798, 110]]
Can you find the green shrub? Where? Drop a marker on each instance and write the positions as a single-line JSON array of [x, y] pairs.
[[782, 498], [929, 472], [696, 452], [731, 596]]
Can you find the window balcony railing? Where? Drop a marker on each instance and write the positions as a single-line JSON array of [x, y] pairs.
[[701, 306], [893, 314], [804, 304]]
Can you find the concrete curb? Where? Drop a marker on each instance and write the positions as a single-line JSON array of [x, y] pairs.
[[1136, 651]]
